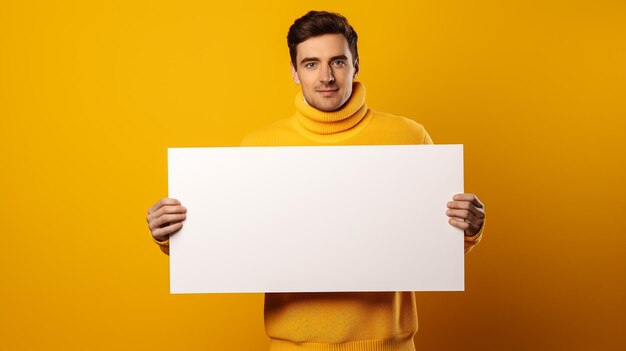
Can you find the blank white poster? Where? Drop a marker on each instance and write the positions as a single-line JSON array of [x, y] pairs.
[[316, 219]]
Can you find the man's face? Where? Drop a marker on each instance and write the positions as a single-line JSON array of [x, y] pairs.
[[325, 71]]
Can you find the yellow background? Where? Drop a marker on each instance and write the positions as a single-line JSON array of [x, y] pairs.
[[92, 94]]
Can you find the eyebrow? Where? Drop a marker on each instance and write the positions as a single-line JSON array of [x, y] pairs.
[[316, 59]]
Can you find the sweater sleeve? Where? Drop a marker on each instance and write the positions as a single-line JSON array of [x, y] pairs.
[[165, 245], [471, 241]]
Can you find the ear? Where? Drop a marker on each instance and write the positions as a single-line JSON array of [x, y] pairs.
[[294, 74], [356, 68]]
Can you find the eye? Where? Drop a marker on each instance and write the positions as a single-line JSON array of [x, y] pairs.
[[310, 65], [339, 63]]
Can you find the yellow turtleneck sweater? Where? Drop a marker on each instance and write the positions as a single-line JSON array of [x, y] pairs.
[[342, 321]]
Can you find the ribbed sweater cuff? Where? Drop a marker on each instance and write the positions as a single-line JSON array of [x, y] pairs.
[[396, 344], [163, 245]]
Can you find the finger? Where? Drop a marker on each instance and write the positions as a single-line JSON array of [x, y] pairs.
[[462, 215], [165, 210], [163, 202], [468, 197], [468, 228], [166, 219], [466, 205], [163, 233], [459, 223], [467, 216], [168, 209]]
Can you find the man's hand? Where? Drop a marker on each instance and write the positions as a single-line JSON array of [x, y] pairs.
[[165, 218], [466, 212]]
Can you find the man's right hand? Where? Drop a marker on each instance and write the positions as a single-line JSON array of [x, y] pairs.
[[165, 218]]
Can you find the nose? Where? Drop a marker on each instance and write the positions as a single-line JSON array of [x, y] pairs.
[[326, 75]]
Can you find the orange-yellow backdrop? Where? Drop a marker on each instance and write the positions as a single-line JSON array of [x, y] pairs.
[[92, 94]]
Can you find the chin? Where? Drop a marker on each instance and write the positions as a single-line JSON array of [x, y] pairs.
[[329, 108]]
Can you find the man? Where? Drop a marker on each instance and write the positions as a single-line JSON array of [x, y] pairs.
[[331, 110]]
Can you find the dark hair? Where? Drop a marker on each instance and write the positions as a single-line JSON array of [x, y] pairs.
[[316, 23]]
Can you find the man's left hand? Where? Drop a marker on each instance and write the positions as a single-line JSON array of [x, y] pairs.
[[466, 212]]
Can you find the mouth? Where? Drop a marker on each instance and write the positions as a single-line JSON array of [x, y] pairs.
[[327, 92]]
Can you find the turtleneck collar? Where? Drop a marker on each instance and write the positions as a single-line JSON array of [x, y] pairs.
[[320, 122]]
